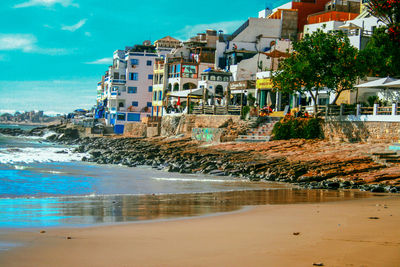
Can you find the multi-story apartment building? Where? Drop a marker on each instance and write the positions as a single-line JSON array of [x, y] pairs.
[[164, 46], [125, 92]]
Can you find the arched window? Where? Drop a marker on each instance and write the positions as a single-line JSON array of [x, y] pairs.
[[219, 90]]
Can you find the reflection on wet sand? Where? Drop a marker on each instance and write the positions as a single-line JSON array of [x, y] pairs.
[[78, 211]]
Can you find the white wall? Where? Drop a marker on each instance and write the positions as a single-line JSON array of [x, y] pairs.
[[270, 28]]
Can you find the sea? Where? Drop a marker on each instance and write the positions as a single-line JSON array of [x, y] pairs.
[[44, 184]]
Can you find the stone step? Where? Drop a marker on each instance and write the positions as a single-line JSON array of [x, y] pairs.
[[384, 154], [252, 138], [392, 160], [389, 157]]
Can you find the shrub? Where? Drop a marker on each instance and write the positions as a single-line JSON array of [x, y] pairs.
[[290, 128], [245, 111]]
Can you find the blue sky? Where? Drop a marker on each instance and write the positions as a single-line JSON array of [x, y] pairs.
[[53, 52]]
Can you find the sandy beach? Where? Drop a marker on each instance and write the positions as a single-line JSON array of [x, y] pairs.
[[362, 232]]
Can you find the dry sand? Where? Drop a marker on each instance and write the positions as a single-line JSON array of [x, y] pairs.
[[333, 233]]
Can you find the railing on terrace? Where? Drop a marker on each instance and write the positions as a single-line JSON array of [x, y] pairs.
[[353, 110], [367, 110], [216, 110]]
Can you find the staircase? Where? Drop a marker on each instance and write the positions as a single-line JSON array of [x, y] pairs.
[[261, 133], [386, 157]]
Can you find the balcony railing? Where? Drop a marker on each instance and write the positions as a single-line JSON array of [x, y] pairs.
[[356, 110]]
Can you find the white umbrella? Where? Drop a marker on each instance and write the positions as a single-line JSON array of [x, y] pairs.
[[380, 83], [395, 84]]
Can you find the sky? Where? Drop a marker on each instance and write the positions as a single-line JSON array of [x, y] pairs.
[[53, 52]]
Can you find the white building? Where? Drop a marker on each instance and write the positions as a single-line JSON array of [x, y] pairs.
[[128, 85], [358, 30], [216, 82]]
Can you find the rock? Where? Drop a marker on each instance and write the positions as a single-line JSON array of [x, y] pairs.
[[68, 237], [217, 173], [296, 233], [318, 264], [378, 189], [393, 190], [43, 231], [373, 218]]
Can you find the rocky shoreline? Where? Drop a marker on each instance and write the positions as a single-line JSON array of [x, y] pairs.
[[315, 164]]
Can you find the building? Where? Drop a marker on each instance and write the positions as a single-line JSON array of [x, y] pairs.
[[166, 44], [359, 30], [216, 82], [255, 35], [300, 10]]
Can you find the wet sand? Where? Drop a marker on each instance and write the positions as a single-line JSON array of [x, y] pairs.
[[362, 232]]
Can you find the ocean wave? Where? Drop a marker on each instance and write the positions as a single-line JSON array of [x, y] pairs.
[[204, 180], [38, 155], [19, 167]]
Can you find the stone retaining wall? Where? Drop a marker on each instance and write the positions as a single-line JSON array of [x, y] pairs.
[[383, 132], [184, 124], [210, 135], [135, 129]]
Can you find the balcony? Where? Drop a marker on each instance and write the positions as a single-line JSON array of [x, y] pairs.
[[119, 81]]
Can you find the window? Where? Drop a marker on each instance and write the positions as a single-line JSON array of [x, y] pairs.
[[135, 103], [121, 116], [149, 104], [133, 76], [148, 62], [150, 89], [116, 75], [160, 95], [226, 79], [150, 76], [134, 62], [132, 90], [133, 117], [212, 78], [155, 96]]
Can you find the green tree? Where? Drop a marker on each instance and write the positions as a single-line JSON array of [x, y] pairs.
[[320, 60], [382, 55]]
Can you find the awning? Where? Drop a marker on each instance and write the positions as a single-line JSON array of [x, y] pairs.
[[240, 91], [380, 83], [185, 93], [350, 26], [395, 84]]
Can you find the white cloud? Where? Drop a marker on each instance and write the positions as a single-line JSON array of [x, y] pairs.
[[74, 27], [106, 60], [24, 42], [46, 3], [191, 30], [27, 44]]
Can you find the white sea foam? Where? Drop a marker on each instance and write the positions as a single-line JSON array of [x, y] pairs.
[[38, 155], [18, 167], [204, 180]]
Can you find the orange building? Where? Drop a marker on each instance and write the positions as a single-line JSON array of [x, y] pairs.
[[329, 16], [304, 8]]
